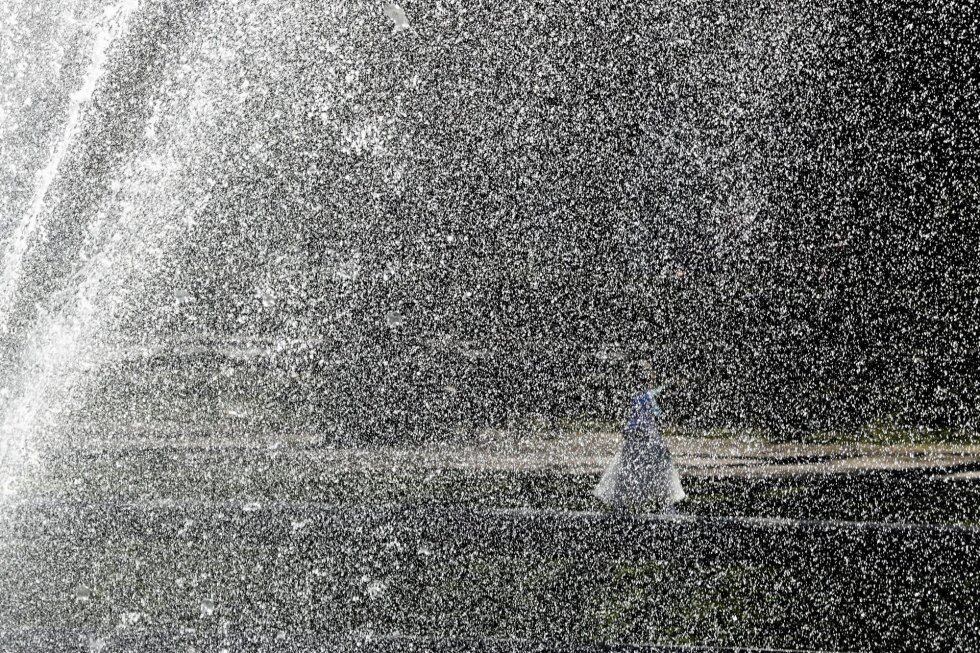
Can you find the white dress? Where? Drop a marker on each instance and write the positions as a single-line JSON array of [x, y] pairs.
[[642, 472]]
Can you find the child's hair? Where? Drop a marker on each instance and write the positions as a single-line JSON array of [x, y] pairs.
[[642, 372]]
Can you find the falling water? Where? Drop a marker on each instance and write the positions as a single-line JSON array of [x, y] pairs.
[[464, 214], [52, 350], [285, 141], [130, 180], [110, 26]]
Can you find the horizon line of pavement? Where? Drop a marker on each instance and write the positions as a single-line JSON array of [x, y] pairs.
[[366, 644], [431, 510]]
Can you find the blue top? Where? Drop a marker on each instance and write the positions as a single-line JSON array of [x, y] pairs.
[[645, 413]]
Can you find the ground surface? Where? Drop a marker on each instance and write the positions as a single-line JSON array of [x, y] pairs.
[[150, 539], [578, 451]]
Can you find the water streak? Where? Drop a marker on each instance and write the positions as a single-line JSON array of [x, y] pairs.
[[111, 25], [55, 344]]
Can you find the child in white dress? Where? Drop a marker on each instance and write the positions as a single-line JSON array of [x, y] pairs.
[[643, 473]]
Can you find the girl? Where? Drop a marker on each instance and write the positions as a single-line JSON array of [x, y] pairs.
[[643, 472]]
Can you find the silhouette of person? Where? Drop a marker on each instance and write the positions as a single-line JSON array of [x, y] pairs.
[[642, 474]]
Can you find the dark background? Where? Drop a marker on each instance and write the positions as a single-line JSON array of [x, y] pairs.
[[774, 202]]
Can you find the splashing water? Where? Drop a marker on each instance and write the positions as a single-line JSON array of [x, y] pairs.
[[112, 25], [131, 174], [54, 345]]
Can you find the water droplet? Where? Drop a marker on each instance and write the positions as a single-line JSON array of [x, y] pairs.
[[97, 644], [299, 525], [130, 619], [394, 319], [183, 296], [376, 589], [266, 296], [397, 16]]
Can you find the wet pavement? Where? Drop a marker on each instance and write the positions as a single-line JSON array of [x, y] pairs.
[[272, 543], [572, 452]]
